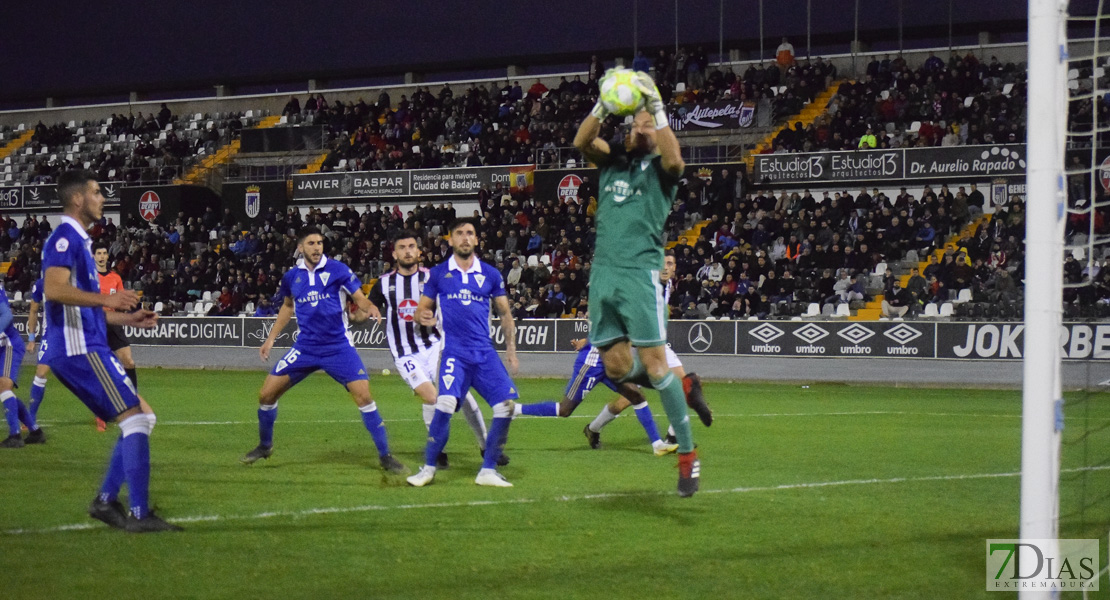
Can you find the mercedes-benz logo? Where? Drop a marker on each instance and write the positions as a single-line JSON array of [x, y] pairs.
[[700, 337]]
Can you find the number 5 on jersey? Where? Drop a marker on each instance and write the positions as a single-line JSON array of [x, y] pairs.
[[448, 378]]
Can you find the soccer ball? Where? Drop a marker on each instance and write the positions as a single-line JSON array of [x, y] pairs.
[[619, 94]]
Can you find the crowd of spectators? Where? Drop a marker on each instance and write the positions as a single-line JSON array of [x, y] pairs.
[[961, 102]]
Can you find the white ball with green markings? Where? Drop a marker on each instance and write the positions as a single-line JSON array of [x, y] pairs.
[[619, 94]]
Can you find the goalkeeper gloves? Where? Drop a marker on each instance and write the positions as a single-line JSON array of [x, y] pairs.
[[653, 100]]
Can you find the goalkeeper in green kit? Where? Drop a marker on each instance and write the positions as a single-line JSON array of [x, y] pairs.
[[636, 191]]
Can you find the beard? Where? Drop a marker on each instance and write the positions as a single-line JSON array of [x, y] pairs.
[[407, 264], [461, 253]]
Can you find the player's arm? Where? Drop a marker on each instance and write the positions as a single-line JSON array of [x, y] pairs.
[[578, 344], [32, 325], [366, 308], [508, 327], [285, 314], [143, 319], [57, 288], [595, 149], [426, 312], [670, 154]]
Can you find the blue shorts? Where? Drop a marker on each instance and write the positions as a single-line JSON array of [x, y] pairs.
[[10, 359], [344, 366], [584, 379], [42, 350], [463, 368], [98, 380]]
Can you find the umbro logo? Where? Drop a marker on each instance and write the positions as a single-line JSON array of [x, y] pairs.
[[811, 333], [903, 334], [766, 333]]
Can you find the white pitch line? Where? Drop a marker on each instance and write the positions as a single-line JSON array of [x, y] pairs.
[[296, 514], [587, 416]]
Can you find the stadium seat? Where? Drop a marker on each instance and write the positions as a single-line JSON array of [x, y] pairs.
[[915, 126], [17, 297], [946, 309], [963, 296], [813, 310], [158, 307], [207, 307], [189, 307], [843, 310], [249, 308], [545, 259], [533, 261], [206, 297], [828, 310], [931, 310], [880, 269]]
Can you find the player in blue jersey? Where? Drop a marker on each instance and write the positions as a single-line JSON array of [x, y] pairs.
[[78, 354], [464, 288], [316, 291], [588, 372], [38, 386], [11, 356]]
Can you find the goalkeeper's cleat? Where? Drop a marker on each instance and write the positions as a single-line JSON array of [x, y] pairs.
[[423, 477], [491, 478], [441, 461], [101, 426], [254, 455], [662, 448], [670, 439], [689, 473], [12, 441], [111, 513], [695, 399], [151, 523], [37, 436], [592, 437], [502, 460], [392, 465]]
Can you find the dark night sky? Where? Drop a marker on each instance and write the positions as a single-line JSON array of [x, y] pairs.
[[113, 47]]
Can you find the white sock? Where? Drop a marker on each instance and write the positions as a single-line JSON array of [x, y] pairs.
[[603, 418], [429, 412], [475, 419]]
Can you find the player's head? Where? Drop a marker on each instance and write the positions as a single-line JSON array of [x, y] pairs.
[[642, 135], [100, 254], [310, 243], [406, 248], [464, 236], [80, 196], [668, 266]]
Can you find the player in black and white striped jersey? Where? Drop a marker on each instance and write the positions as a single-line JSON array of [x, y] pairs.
[[416, 348]]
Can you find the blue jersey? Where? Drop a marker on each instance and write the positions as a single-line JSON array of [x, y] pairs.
[[320, 302], [10, 336], [73, 330], [36, 290], [464, 299]]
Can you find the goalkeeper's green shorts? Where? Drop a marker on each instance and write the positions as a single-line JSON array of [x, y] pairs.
[[626, 304]]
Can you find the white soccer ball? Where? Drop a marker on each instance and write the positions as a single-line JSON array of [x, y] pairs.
[[385, 371], [619, 94]]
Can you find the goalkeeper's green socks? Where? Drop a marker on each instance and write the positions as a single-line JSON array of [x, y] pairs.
[[674, 403]]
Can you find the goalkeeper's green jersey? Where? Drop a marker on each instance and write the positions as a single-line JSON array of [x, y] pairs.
[[636, 195]]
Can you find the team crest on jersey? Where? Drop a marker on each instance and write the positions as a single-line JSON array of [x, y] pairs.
[[448, 276], [448, 380], [481, 279], [324, 277], [61, 245]]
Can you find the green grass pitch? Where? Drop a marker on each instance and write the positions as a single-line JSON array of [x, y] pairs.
[[820, 492]]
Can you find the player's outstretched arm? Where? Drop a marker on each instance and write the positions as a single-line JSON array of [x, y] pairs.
[[57, 288], [426, 312], [141, 319], [366, 308], [285, 314], [32, 326], [508, 327], [595, 149], [670, 154]]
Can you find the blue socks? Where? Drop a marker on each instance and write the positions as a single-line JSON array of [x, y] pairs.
[[540, 409], [38, 390], [267, 414], [375, 426], [498, 433], [643, 413], [437, 437], [11, 412], [135, 451], [113, 479]]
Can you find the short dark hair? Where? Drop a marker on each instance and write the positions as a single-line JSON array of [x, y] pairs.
[[307, 231], [100, 246], [405, 234], [460, 222], [668, 252], [71, 182]]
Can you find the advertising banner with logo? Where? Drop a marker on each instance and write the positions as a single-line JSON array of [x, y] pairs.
[[841, 339], [901, 164], [830, 338], [392, 184], [251, 202], [731, 114], [160, 204], [44, 198], [564, 184]]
